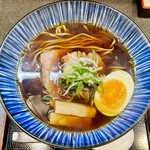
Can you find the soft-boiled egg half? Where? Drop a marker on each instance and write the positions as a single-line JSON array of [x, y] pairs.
[[118, 88]]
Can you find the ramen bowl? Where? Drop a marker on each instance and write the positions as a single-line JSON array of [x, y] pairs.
[[85, 12]]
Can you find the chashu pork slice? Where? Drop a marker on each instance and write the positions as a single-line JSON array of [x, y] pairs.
[[45, 65], [49, 64]]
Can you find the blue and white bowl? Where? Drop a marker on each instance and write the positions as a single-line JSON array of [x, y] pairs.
[[74, 11]]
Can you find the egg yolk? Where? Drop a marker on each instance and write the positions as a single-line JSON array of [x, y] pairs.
[[114, 94]]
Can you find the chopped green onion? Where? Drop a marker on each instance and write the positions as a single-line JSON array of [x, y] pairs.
[[64, 86], [73, 84], [47, 98], [78, 75], [101, 87], [81, 71], [91, 93], [94, 54], [97, 69]]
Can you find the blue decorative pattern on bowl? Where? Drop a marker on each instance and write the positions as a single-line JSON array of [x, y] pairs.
[[89, 13]]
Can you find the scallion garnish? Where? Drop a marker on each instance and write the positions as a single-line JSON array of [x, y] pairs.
[[78, 75], [94, 54], [47, 98]]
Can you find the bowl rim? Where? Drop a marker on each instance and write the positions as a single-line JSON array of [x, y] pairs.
[[52, 3]]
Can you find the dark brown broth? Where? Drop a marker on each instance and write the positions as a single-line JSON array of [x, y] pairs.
[[33, 87]]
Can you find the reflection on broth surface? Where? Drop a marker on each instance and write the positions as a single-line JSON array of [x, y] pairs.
[[62, 76]]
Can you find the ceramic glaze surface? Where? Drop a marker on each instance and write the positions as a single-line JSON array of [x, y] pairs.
[[83, 12]]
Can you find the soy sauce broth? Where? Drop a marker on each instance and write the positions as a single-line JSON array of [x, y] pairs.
[[30, 83]]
